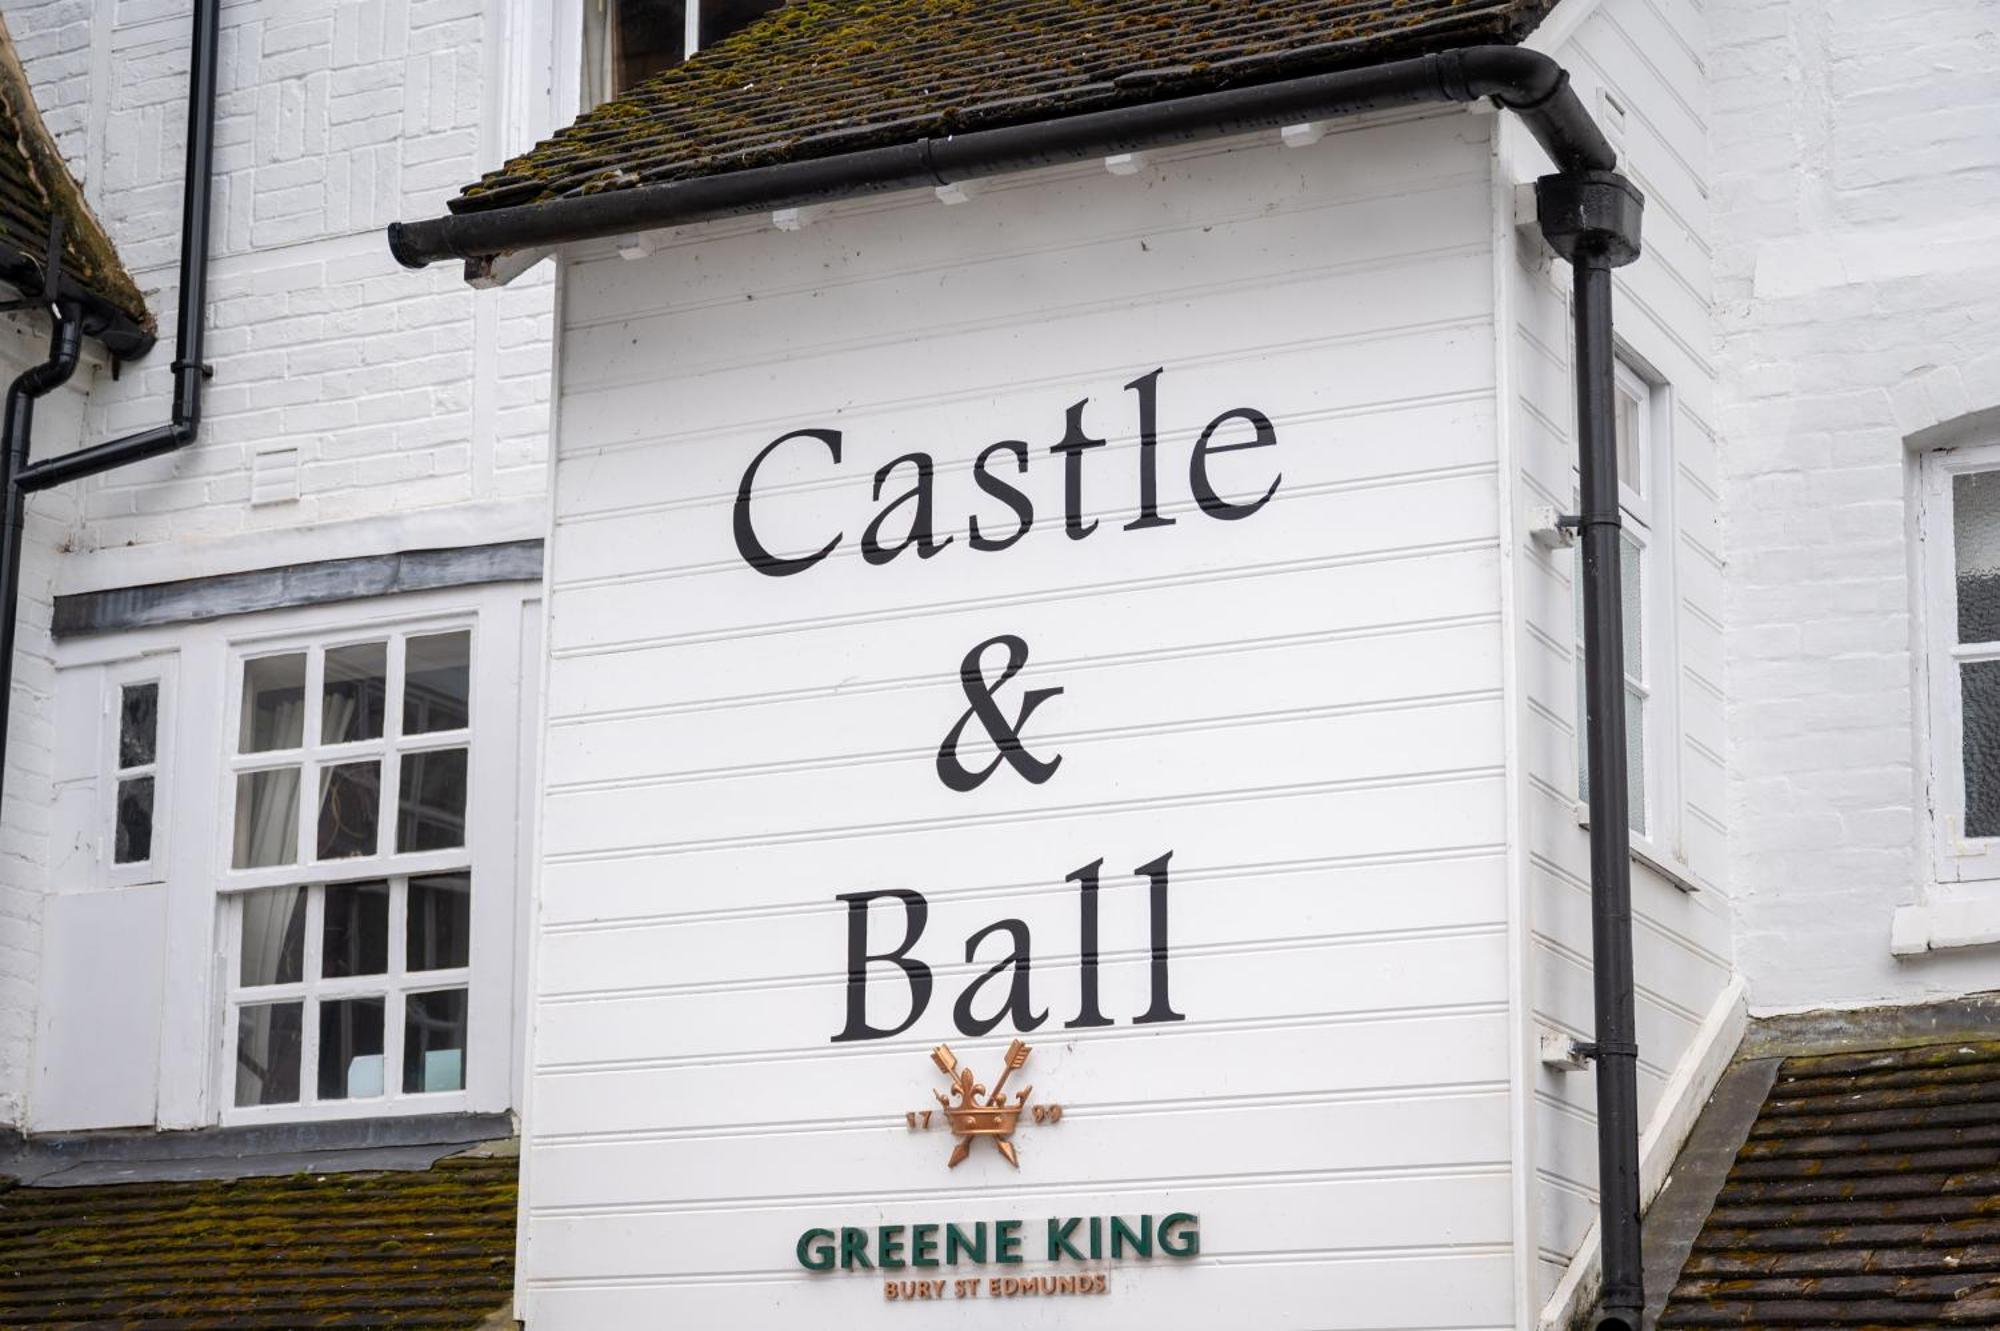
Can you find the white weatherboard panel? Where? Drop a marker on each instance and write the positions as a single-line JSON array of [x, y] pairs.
[[1303, 704]]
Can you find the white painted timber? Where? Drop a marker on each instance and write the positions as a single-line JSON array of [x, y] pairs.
[[1304, 704], [1646, 58]]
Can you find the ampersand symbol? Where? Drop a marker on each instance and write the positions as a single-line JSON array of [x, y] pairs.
[[1006, 735]]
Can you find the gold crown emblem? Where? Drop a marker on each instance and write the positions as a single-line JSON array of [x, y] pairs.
[[972, 1112]]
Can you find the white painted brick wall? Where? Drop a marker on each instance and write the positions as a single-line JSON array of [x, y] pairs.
[[25, 812], [401, 392], [1857, 208], [410, 399]]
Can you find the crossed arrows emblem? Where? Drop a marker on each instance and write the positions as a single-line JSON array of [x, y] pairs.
[[971, 1116]]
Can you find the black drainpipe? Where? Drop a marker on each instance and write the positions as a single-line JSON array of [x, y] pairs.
[[1588, 213], [18, 475]]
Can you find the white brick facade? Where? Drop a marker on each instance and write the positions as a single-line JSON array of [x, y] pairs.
[[1857, 192], [401, 393], [414, 409]]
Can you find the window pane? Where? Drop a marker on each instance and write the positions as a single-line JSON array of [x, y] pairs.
[[432, 813], [1632, 602], [1635, 760], [350, 809], [719, 18], [1626, 425], [434, 1041], [436, 683], [267, 1053], [1975, 520], [350, 1048], [356, 693], [138, 724], [133, 840], [267, 818], [1979, 702], [355, 937], [274, 702], [440, 922], [649, 36], [274, 936]]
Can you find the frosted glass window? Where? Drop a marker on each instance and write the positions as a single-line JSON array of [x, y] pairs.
[[138, 724], [133, 843], [1975, 508]]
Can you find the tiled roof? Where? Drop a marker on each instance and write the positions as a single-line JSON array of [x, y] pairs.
[[829, 76], [429, 1249], [1867, 1195], [35, 184]]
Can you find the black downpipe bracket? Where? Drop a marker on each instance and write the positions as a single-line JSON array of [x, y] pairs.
[[1590, 216], [18, 475]]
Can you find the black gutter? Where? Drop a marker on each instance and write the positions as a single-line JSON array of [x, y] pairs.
[[1588, 213], [121, 334], [190, 325], [19, 476], [1526, 82]]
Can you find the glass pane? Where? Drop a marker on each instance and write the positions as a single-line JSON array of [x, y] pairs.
[[133, 840], [719, 18], [350, 1048], [1975, 522], [434, 1041], [350, 809], [1635, 760], [267, 1053], [440, 922], [436, 683], [354, 939], [649, 36], [138, 724], [267, 818], [1632, 602], [274, 703], [274, 936], [356, 693], [1979, 703], [1626, 425], [432, 812]]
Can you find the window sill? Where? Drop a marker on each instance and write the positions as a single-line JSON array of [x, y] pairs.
[[1667, 866], [1943, 925]]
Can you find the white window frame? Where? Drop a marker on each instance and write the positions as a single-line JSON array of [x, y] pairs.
[[1955, 857], [157, 670], [1647, 515], [483, 1013]]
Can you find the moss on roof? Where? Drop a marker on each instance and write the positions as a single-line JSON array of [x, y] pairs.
[[35, 184], [1867, 1195], [820, 77], [428, 1249]]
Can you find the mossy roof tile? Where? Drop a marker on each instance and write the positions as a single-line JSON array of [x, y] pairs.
[[35, 185], [820, 77], [1867, 1195], [430, 1249]]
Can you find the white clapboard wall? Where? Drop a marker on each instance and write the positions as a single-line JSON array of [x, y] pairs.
[[1303, 705]]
